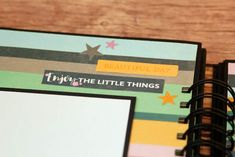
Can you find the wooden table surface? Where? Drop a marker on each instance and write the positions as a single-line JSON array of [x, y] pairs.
[[210, 22]]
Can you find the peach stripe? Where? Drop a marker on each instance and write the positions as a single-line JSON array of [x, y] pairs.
[[231, 68], [144, 150]]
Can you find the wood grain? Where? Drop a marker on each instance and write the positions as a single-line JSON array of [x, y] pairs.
[[211, 22]]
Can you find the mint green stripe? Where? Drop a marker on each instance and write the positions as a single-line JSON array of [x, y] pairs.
[[154, 116], [136, 48], [146, 102]]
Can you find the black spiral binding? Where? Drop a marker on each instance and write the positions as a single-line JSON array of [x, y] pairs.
[[226, 149]]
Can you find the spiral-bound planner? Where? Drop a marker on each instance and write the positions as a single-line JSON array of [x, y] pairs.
[[168, 113]]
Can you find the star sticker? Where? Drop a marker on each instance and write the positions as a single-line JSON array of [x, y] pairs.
[[231, 99], [168, 98], [75, 84], [92, 51], [111, 44]]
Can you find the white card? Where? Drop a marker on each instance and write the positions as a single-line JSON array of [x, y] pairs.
[[51, 125]]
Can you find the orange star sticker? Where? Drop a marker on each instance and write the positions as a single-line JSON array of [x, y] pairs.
[[168, 98], [231, 99]]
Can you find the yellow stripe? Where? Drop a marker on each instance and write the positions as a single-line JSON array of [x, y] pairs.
[[157, 132], [137, 68]]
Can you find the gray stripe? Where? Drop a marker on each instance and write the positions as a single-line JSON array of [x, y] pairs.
[[231, 80], [81, 58], [103, 81], [233, 153]]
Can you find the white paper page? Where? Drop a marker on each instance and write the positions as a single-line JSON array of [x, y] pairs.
[[43, 125]]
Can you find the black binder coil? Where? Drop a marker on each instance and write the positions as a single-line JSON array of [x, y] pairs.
[[196, 143], [208, 112]]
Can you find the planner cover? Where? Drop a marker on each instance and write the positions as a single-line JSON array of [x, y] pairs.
[[153, 71]]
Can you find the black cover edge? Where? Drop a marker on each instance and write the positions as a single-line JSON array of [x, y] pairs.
[[220, 72], [199, 74]]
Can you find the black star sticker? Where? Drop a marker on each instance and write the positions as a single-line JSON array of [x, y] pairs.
[[92, 51]]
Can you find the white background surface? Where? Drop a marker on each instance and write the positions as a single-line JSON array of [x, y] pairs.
[[40, 125]]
